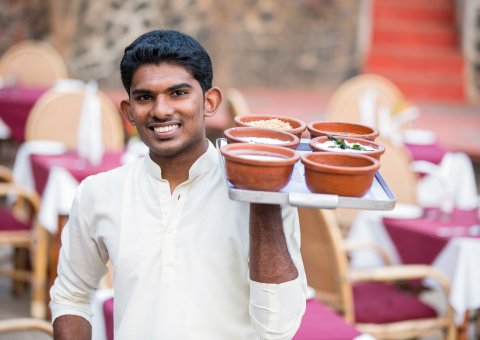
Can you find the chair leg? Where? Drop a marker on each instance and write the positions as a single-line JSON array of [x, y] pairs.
[[462, 330], [20, 262], [38, 306]]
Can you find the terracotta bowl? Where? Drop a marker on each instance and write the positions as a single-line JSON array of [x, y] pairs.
[[318, 144], [342, 129], [339, 173], [258, 166], [261, 136], [268, 121]]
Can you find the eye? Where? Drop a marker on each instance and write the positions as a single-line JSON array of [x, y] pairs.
[[143, 98], [179, 93]]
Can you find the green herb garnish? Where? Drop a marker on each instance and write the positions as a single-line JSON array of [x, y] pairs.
[[340, 143]]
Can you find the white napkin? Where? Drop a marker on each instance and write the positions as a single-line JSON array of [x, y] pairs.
[[385, 124], [68, 85], [448, 185], [57, 197], [89, 143], [405, 116], [22, 169], [367, 105], [5, 132]]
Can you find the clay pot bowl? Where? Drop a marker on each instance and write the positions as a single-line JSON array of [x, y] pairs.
[[336, 173], [318, 144], [268, 121], [342, 129], [261, 136], [258, 166]]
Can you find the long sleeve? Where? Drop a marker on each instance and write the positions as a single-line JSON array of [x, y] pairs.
[[276, 310], [80, 266]]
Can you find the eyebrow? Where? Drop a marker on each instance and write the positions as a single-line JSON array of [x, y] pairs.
[[170, 89], [180, 86]]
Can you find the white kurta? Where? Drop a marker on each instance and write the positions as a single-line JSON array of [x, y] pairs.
[[180, 259]]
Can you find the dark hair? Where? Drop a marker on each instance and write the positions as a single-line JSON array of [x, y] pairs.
[[168, 46]]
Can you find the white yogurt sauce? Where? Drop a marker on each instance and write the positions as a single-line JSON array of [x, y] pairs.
[[262, 157], [262, 140], [332, 145]]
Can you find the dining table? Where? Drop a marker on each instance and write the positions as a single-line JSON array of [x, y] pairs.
[[450, 242], [430, 152], [15, 105]]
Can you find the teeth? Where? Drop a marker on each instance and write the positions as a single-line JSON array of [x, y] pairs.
[[165, 128]]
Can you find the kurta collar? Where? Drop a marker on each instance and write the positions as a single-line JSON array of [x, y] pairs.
[[202, 165]]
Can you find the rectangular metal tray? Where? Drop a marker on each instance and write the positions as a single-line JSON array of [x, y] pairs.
[[296, 193]]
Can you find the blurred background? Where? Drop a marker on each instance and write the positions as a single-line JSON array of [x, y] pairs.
[[287, 57]]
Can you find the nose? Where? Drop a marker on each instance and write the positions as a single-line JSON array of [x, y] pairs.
[[162, 108]]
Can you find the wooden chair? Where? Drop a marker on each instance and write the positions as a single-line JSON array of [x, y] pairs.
[[235, 104], [5, 174], [56, 116], [32, 63], [361, 294], [17, 325], [396, 170], [344, 103], [344, 106], [20, 229]]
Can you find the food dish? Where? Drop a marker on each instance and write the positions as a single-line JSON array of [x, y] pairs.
[[339, 173], [258, 166], [288, 124], [342, 129], [261, 136], [348, 145], [296, 193]]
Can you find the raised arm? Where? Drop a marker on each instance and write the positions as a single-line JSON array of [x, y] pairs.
[[270, 261], [278, 284]]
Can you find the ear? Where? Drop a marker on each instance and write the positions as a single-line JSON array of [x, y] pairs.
[[213, 99], [125, 111]]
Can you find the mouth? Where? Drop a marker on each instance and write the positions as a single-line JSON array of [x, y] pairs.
[[160, 129], [165, 130]]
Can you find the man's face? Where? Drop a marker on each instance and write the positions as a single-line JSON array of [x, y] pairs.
[[168, 108]]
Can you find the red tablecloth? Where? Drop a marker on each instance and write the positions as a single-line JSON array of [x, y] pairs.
[[432, 153], [322, 323], [419, 241], [108, 317], [15, 105], [78, 167]]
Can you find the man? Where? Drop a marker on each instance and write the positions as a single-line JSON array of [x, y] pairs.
[[189, 263]]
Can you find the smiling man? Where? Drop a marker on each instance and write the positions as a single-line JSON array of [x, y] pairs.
[[189, 263]]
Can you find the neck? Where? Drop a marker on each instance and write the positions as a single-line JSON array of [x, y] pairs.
[[176, 169]]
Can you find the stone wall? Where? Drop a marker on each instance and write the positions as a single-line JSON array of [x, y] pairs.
[[253, 43]]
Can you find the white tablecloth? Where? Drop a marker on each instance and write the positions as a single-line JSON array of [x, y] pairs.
[[57, 198]]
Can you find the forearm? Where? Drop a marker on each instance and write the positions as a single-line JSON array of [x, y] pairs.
[[270, 261], [72, 327]]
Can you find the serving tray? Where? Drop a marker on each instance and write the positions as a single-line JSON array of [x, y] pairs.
[[296, 193]]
